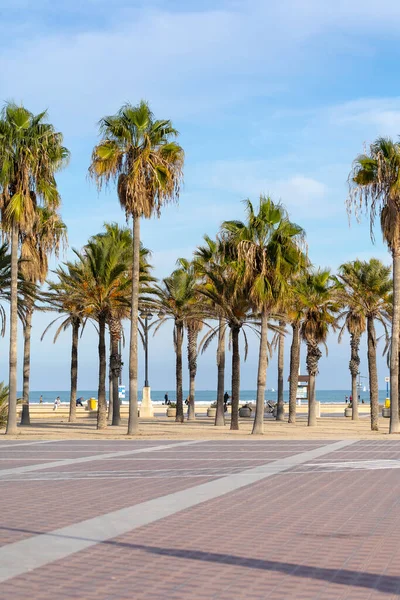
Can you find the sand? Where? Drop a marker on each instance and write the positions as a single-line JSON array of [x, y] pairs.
[[339, 427]]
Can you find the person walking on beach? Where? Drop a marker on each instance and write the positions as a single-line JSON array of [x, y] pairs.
[[41, 399], [166, 399], [57, 403], [226, 398], [346, 399], [80, 401]]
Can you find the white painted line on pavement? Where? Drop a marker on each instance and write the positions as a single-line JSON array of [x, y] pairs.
[[39, 550], [84, 459]]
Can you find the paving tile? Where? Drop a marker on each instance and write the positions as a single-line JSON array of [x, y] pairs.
[[313, 535]]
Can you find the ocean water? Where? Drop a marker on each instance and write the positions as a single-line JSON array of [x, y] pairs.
[[202, 396]]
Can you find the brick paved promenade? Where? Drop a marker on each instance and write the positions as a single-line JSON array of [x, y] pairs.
[[184, 520]]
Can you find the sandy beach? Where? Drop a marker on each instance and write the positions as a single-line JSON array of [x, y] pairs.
[[49, 424]]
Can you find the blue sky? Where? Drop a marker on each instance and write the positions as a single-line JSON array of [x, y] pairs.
[[268, 97]]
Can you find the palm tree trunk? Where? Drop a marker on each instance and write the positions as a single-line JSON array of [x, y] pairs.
[[110, 392], [354, 367], [102, 404], [373, 374], [312, 406], [394, 426], [258, 425], [12, 394], [294, 371], [354, 394], [25, 420], [220, 415], [115, 369], [235, 378], [133, 423], [280, 413], [179, 391], [399, 384], [192, 360], [313, 356], [74, 370]]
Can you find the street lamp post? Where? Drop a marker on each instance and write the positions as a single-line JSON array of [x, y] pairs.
[[146, 316], [146, 408]]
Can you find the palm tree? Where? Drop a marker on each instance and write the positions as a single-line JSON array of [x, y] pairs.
[[225, 288], [269, 246], [205, 257], [280, 413], [193, 327], [375, 184], [48, 233], [320, 305], [372, 287], [175, 301], [64, 298], [295, 310], [354, 322], [121, 239], [103, 286], [294, 370], [31, 152], [138, 152]]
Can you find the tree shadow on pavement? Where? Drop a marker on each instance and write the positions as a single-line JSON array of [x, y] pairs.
[[389, 584]]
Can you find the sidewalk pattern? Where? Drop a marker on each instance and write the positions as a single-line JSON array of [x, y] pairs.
[[209, 520]]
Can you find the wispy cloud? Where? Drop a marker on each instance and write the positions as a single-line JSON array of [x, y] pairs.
[[250, 178], [190, 61]]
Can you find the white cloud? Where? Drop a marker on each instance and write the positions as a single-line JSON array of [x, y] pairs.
[[376, 114], [250, 178], [188, 62]]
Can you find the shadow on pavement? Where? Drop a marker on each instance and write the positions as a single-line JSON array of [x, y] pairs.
[[375, 581]]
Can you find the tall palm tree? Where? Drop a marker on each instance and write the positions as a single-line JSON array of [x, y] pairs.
[[205, 257], [175, 301], [269, 246], [121, 239], [375, 184], [138, 152], [63, 297], [48, 233], [354, 322], [103, 285], [31, 152], [317, 292], [372, 287]]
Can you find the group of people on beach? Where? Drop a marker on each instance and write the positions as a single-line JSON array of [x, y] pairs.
[[350, 399], [167, 401], [57, 402]]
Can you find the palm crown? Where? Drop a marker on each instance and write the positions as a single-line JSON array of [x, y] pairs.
[[138, 152], [32, 151]]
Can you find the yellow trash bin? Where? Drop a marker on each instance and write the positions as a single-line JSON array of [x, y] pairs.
[[387, 403], [92, 404]]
